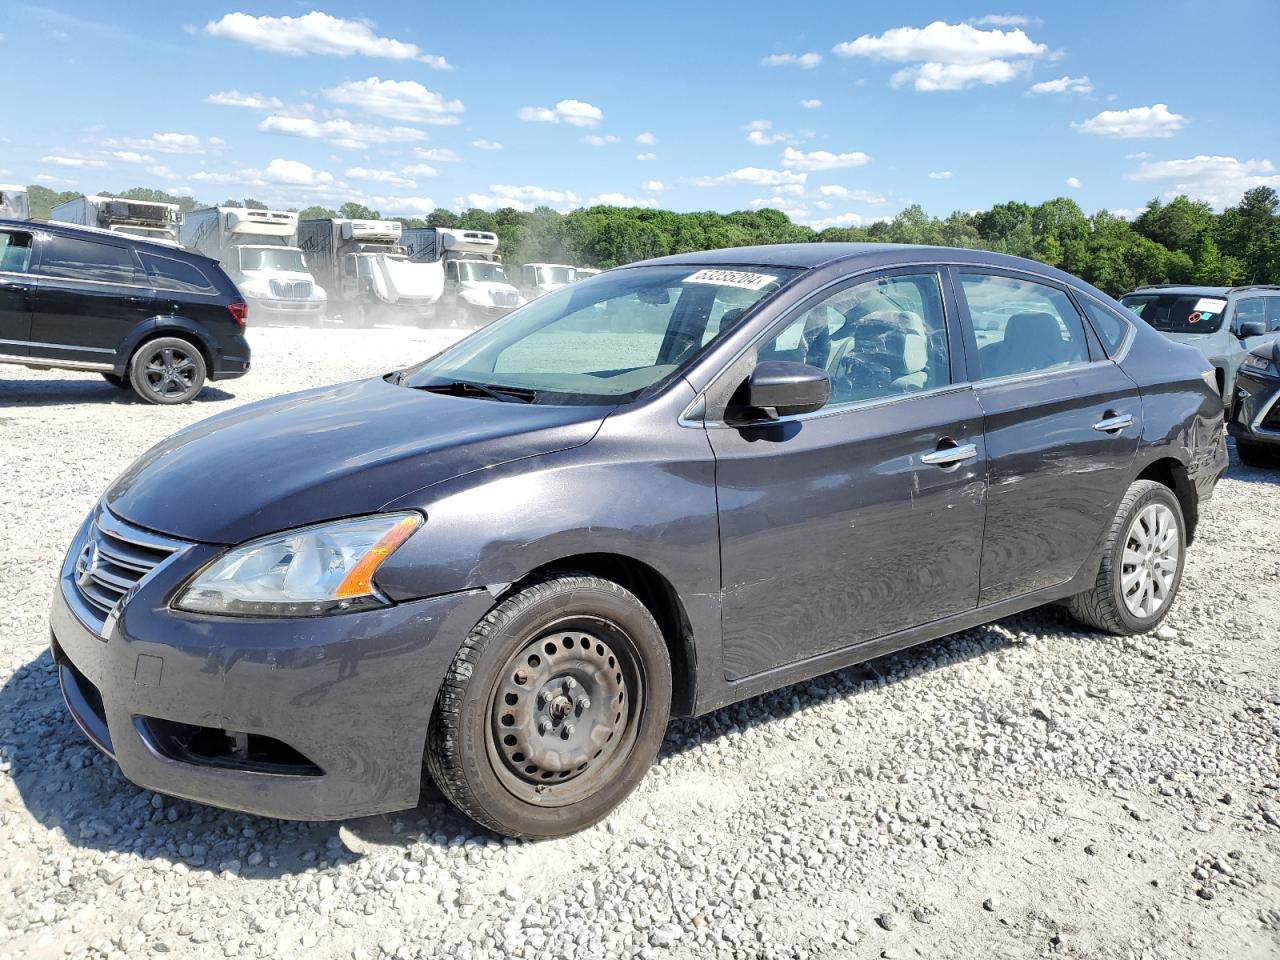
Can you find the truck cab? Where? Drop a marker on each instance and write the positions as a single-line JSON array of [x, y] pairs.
[[539, 278], [476, 287]]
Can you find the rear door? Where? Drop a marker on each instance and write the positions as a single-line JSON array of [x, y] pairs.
[[92, 293], [17, 291], [1062, 428]]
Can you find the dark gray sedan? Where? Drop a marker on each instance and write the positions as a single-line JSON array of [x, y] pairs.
[[651, 493]]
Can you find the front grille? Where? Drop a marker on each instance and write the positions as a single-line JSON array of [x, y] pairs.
[[291, 289], [501, 299], [114, 558], [1272, 420]]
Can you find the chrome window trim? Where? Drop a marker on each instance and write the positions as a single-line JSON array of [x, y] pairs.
[[832, 411], [101, 283], [17, 273]]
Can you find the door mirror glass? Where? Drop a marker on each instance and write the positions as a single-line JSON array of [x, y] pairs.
[[787, 388], [1252, 328]]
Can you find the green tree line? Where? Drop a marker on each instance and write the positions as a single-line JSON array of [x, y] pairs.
[[1181, 241]]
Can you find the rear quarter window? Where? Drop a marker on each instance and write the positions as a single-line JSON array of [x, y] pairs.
[[1111, 330], [178, 275]]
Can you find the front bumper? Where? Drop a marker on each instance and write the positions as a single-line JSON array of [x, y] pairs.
[[352, 694], [1254, 413], [260, 307]]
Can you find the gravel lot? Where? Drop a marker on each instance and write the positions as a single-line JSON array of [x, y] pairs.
[[1024, 789]]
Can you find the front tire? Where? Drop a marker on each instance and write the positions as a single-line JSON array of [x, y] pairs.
[[553, 709], [167, 371], [1142, 563]]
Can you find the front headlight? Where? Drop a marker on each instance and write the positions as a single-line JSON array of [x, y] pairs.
[[301, 573], [1254, 362]]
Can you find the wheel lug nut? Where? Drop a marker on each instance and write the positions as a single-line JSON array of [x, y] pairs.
[[584, 703], [570, 684], [567, 732], [543, 726], [542, 700]]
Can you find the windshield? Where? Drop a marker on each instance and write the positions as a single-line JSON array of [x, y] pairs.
[[1178, 312], [550, 275], [272, 258], [607, 339], [481, 271]]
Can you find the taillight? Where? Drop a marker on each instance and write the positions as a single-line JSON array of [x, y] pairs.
[[239, 311]]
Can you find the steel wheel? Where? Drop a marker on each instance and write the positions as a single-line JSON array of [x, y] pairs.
[[1149, 563], [562, 711]]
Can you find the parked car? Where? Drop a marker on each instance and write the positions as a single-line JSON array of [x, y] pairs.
[[519, 558], [1254, 419], [1223, 323], [148, 316]]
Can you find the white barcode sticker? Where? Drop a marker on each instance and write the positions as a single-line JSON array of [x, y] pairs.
[[1210, 305], [732, 278]]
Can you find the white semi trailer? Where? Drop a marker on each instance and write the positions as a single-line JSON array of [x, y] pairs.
[[476, 288], [139, 218], [259, 250], [367, 271], [13, 203]]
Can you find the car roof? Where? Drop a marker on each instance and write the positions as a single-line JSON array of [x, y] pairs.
[[1189, 288], [58, 226]]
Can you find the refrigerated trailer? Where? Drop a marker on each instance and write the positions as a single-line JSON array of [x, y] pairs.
[[13, 203], [139, 218], [476, 288], [259, 250], [367, 271]]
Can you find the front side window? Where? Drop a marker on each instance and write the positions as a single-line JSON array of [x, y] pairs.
[[1254, 308], [1178, 312], [482, 271], [75, 259], [877, 338], [1111, 330], [1022, 326], [605, 340], [169, 274], [15, 252]]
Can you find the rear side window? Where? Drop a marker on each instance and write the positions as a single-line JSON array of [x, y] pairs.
[[15, 252], [1022, 326], [1111, 330], [169, 274], [75, 259]]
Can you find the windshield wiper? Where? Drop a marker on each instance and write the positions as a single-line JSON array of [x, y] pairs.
[[465, 388]]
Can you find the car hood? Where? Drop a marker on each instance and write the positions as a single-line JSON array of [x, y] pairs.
[[333, 452]]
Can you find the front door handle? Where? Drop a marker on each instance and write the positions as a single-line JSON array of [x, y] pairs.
[[1113, 422], [949, 456]]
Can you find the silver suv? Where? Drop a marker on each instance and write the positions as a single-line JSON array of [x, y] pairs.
[[1223, 323]]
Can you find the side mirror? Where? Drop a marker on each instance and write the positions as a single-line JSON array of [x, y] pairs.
[[787, 388], [1252, 328]]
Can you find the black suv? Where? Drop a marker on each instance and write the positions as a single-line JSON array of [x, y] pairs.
[[145, 315]]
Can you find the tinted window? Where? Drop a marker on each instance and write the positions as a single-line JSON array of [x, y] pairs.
[[78, 259], [1111, 330], [1273, 314], [1254, 308], [1178, 312], [170, 274], [877, 338], [15, 252], [1022, 326]]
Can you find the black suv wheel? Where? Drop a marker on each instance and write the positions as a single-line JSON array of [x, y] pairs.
[[167, 370]]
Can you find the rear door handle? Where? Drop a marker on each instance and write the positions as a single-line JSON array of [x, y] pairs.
[[1113, 422], [949, 456]]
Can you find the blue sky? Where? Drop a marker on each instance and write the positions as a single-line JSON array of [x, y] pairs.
[[838, 113]]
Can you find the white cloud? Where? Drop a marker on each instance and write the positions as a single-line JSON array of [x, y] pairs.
[[234, 98], [760, 132], [164, 143], [754, 176], [483, 144], [940, 174], [806, 61], [595, 140], [1004, 20], [524, 198], [840, 220], [1063, 85], [162, 171], [1156, 121], [654, 186], [646, 156], [405, 100], [294, 171], [949, 56], [380, 176], [50, 178], [403, 206], [818, 160], [1073, 183], [279, 172], [80, 162], [857, 195], [420, 170], [576, 112], [339, 132], [646, 138], [782, 204], [620, 200], [1219, 180], [1140, 155], [317, 32], [811, 104], [131, 156], [438, 154]]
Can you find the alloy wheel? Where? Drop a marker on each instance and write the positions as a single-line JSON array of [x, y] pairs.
[[170, 372]]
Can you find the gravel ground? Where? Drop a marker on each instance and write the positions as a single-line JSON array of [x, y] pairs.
[[1024, 789]]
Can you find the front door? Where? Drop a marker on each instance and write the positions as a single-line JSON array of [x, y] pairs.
[[92, 294], [1062, 424], [17, 290], [865, 517]]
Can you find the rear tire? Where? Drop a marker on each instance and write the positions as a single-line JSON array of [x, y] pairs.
[[553, 709], [167, 371], [1258, 454], [1142, 563]]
